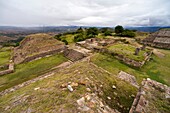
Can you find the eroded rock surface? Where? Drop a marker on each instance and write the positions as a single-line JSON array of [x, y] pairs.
[[129, 78]]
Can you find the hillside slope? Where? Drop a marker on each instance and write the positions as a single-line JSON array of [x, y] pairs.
[[94, 90]]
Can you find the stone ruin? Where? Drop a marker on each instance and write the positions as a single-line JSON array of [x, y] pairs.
[[100, 45], [148, 95], [36, 46], [160, 39], [129, 78], [10, 69], [137, 51], [96, 43], [143, 47], [40, 45], [73, 54]]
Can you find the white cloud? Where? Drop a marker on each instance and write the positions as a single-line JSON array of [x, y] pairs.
[[85, 12]]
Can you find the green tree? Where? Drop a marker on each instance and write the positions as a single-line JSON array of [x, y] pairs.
[[128, 33], [106, 31], [65, 41], [119, 29], [58, 36], [79, 30], [16, 44], [79, 37], [92, 32]]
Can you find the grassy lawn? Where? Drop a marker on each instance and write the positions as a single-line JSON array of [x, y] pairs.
[[127, 51], [51, 97], [26, 71], [5, 55], [156, 69], [69, 38]]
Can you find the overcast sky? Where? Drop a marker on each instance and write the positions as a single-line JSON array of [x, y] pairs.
[[85, 12]]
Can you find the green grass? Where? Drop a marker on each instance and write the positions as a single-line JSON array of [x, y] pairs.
[[156, 69], [51, 97], [5, 55], [100, 35], [26, 71], [127, 51], [69, 38]]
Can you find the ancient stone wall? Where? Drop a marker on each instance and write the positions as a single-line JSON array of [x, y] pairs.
[[73, 55], [160, 45], [37, 45], [30, 58], [9, 70], [20, 58], [160, 39], [142, 104], [124, 59]]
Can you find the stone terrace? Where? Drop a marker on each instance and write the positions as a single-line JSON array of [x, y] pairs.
[[160, 39], [35, 46]]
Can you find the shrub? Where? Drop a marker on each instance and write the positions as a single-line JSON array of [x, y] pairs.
[[58, 36], [128, 33], [92, 32], [119, 29], [65, 41], [80, 30], [78, 38], [107, 33]]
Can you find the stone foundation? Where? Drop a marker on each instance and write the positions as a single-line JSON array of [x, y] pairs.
[[73, 55], [28, 59], [9, 70], [98, 45], [35, 46], [144, 99]]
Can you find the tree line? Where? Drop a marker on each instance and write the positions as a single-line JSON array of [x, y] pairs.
[[85, 33]]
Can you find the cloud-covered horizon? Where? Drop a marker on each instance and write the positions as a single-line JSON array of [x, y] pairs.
[[85, 12]]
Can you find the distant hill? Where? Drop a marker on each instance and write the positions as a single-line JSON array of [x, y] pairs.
[[30, 30], [12, 30], [147, 29]]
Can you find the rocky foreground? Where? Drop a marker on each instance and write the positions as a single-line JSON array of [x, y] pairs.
[[85, 87]]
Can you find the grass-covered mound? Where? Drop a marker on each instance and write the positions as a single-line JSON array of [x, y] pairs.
[[128, 51], [35, 46], [156, 69], [51, 97], [27, 71]]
